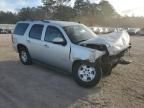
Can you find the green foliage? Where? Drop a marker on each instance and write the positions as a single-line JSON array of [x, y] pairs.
[[64, 13], [7, 17], [102, 14], [107, 9], [52, 7], [54, 2]]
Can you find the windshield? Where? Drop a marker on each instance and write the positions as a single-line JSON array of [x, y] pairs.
[[79, 33]]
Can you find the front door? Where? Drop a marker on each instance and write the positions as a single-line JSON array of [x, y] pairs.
[[55, 48]]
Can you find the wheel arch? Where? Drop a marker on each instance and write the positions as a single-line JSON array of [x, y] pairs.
[[19, 46], [75, 63]]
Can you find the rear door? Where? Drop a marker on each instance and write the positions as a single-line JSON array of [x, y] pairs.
[[34, 41]]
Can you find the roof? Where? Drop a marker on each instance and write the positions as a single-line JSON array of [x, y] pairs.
[[60, 23], [63, 23]]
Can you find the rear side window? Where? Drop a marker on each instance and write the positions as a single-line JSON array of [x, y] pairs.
[[36, 31], [21, 28]]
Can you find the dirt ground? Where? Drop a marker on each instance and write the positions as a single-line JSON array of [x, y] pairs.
[[37, 86]]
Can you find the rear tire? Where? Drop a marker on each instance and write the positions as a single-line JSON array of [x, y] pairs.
[[24, 56], [86, 74]]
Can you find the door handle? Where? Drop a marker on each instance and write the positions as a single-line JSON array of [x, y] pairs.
[[45, 45], [28, 41]]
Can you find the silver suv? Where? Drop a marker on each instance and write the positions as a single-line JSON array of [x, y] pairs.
[[70, 46]]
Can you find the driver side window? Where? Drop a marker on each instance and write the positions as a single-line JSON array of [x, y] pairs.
[[52, 34]]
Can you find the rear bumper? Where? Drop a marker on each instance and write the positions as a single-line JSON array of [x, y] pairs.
[[15, 47]]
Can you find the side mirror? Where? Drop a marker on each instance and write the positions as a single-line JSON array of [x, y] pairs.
[[59, 40]]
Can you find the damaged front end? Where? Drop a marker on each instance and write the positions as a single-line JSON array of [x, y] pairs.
[[115, 45], [80, 53], [107, 61]]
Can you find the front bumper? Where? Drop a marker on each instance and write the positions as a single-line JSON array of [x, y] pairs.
[[114, 59], [121, 54]]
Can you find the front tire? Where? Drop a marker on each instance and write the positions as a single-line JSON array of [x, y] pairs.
[[87, 74], [24, 56]]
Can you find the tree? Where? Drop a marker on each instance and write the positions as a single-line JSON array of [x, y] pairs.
[[79, 6], [91, 14], [50, 6], [64, 13], [7, 17], [54, 2], [25, 13], [61, 2], [107, 9]]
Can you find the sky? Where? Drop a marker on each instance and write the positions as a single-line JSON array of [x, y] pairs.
[[124, 7], [129, 7], [14, 5]]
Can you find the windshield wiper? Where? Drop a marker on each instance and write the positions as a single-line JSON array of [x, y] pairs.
[[80, 41]]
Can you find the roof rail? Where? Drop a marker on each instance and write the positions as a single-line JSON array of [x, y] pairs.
[[46, 21], [30, 20], [38, 20]]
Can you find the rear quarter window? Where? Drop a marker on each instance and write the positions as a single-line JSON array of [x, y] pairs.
[[21, 28]]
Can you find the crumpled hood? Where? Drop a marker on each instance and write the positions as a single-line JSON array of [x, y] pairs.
[[115, 42]]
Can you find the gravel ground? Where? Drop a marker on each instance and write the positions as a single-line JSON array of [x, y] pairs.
[[36, 86]]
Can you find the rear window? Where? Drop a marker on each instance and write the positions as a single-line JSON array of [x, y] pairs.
[[36, 31], [21, 28]]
